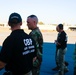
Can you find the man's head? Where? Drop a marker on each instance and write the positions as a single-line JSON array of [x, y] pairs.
[[14, 20], [32, 21], [59, 28]]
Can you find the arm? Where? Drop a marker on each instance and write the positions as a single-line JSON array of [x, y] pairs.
[[34, 59], [2, 64], [57, 43]]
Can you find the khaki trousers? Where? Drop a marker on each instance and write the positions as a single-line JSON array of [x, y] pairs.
[[61, 59]]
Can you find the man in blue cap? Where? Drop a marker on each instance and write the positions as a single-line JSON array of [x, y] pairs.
[[18, 50]]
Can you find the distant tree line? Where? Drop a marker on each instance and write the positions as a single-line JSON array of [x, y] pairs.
[[40, 23], [1, 24]]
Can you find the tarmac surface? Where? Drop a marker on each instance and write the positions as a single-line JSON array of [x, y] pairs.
[[49, 50]]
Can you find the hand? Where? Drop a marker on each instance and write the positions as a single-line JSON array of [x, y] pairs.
[[34, 59]]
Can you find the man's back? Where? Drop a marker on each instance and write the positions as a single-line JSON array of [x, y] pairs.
[[20, 52]]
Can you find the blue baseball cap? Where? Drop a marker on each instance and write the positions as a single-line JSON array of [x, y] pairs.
[[15, 16]]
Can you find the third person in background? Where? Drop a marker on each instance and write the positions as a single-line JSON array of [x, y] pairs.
[[61, 48], [36, 34]]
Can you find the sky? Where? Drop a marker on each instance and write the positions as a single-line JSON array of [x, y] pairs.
[[47, 11]]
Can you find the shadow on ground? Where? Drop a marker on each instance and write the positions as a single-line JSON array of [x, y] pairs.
[[49, 59]]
